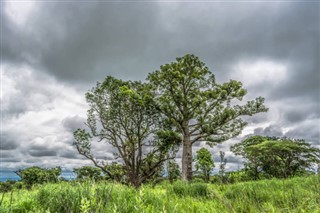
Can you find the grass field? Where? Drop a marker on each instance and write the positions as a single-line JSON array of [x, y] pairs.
[[301, 194]]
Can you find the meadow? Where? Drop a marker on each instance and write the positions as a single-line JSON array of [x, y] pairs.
[[299, 194]]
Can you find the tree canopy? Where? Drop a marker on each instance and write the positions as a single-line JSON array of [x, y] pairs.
[[198, 107], [204, 163], [123, 114], [276, 157]]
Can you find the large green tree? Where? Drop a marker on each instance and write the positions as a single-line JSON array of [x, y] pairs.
[[276, 157], [198, 107], [123, 114], [204, 163]]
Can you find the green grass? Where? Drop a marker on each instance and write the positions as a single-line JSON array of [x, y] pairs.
[[292, 195]]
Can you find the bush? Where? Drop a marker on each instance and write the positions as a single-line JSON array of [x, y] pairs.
[[6, 186], [36, 175], [18, 185]]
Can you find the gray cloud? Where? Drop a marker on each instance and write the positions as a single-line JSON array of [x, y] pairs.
[[301, 109], [6, 154], [310, 132], [71, 47], [64, 45], [10, 160], [272, 130], [8, 145], [73, 123], [8, 142], [36, 150], [71, 155], [89, 41]]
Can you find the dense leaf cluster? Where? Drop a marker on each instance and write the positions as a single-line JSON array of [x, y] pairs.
[[276, 157], [36, 175], [204, 163], [124, 114]]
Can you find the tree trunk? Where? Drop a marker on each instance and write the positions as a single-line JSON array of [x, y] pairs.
[[187, 159], [133, 179]]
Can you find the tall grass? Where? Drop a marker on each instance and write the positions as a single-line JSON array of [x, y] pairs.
[[291, 195]]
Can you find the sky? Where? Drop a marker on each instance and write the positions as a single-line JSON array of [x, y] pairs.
[[53, 52]]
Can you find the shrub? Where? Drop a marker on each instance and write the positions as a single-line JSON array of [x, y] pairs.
[[36, 175], [6, 186]]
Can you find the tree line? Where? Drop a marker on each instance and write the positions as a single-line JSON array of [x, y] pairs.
[[177, 106], [264, 157]]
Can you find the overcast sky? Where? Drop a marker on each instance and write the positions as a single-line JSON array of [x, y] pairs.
[[53, 52]]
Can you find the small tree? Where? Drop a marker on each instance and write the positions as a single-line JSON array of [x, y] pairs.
[[173, 171], [204, 163], [123, 114], [199, 108]]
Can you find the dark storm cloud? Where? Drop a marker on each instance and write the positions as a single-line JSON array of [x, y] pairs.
[[73, 123], [86, 41], [36, 150], [10, 160], [272, 130], [301, 109], [71, 155], [6, 154], [32, 161], [8, 145], [15, 44], [8, 141], [42, 153], [25, 91], [310, 132]]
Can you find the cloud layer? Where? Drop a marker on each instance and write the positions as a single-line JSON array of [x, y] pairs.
[[53, 52]]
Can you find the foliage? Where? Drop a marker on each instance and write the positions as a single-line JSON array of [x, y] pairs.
[[36, 175], [88, 173], [6, 186], [118, 171], [276, 157], [290, 195], [198, 107], [173, 171], [123, 114], [204, 163], [252, 164]]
